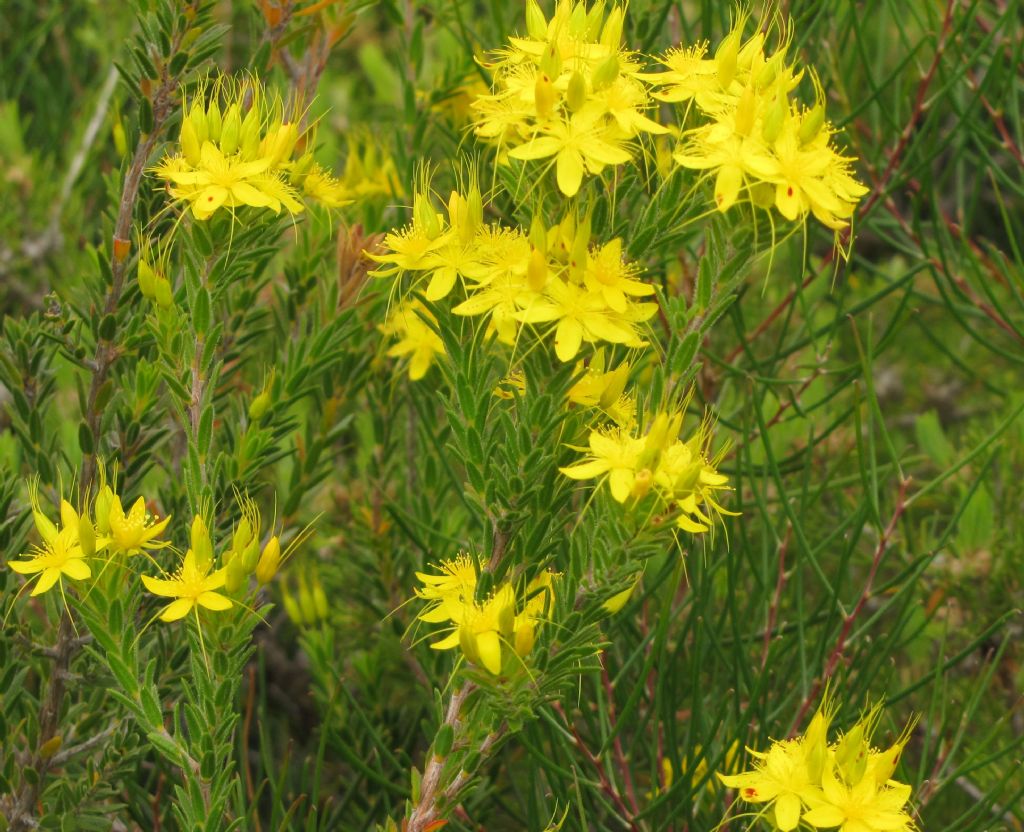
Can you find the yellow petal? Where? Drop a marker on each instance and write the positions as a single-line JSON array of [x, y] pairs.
[[26, 567], [569, 171], [727, 186], [213, 601], [46, 581], [489, 646], [177, 609], [166, 589], [568, 338], [76, 569]]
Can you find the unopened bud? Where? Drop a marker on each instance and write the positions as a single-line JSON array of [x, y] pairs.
[[162, 293], [606, 72], [811, 123], [214, 121], [537, 270], [536, 25], [775, 118], [250, 556], [576, 95], [544, 95], [745, 111], [249, 135], [45, 526], [595, 17], [101, 508], [611, 34], [234, 575], [259, 405], [551, 61], [201, 545], [231, 132], [725, 57], [424, 216], [242, 535], [197, 115], [270, 561], [189, 141], [615, 384], [147, 280]]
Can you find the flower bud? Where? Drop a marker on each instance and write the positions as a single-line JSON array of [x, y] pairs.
[[214, 121], [259, 405], [551, 61], [147, 280], [606, 72], [611, 34], [424, 217], [230, 133], [775, 118], [68, 516], [249, 135], [197, 116], [242, 536], [270, 561], [86, 536], [544, 96], [745, 111], [291, 607], [725, 57], [101, 508], [319, 599], [234, 575], [620, 599], [537, 270], [307, 604], [615, 383], [525, 636], [189, 141], [576, 95], [280, 143], [811, 123], [44, 525], [162, 293], [536, 25], [250, 556], [201, 545]]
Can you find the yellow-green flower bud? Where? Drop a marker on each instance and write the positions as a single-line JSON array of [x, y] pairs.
[[44, 525], [525, 637], [201, 545], [270, 561], [424, 217], [249, 135], [250, 556], [611, 34], [189, 141], [319, 599], [576, 95], [147, 280], [768, 73], [615, 384], [86, 536], [291, 607], [606, 72], [762, 194], [242, 535], [745, 111], [595, 17], [197, 115], [234, 575], [214, 121], [537, 270], [259, 405], [544, 95], [307, 605], [775, 118], [536, 25], [231, 132], [280, 143], [578, 21], [551, 61], [726, 56], [101, 508], [162, 292], [811, 123]]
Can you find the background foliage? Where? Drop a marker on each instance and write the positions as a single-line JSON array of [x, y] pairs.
[[872, 407]]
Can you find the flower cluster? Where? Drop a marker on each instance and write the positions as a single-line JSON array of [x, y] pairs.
[[238, 147], [678, 474], [551, 277], [568, 91], [760, 145], [491, 633], [105, 528], [846, 783], [68, 550]]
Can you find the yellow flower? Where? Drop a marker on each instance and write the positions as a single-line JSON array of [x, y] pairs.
[[191, 587], [615, 455], [448, 591], [780, 778], [608, 274], [59, 556], [132, 532], [227, 181], [604, 391], [415, 338], [579, 144], [482, 629], [865, 806]]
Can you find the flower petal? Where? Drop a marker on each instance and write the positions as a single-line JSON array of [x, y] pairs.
[[46, 580], [213, 601], [177, 609]]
